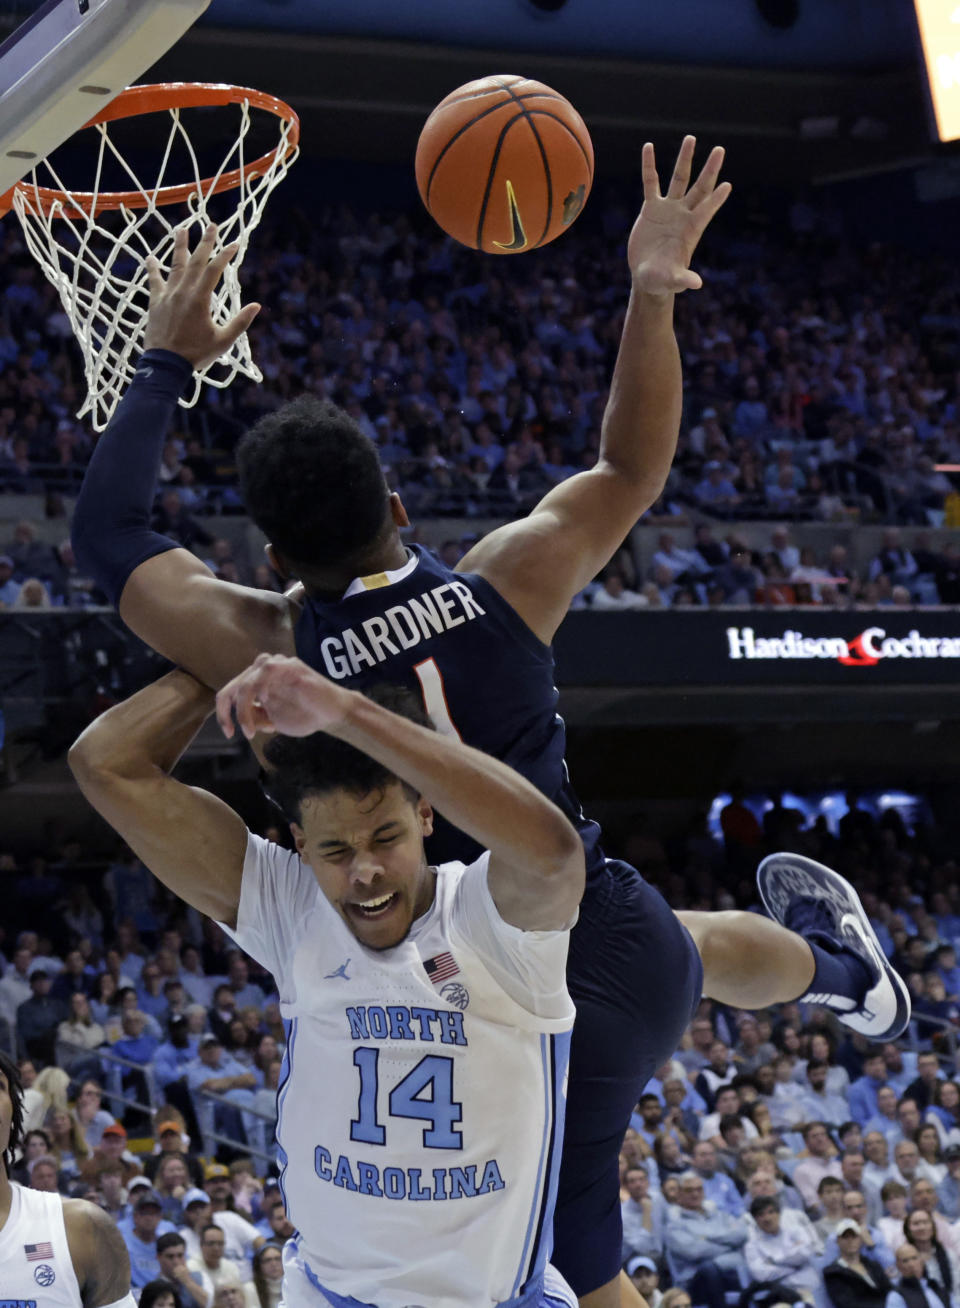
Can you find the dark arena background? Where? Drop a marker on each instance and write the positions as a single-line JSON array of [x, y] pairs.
[[772, 661]]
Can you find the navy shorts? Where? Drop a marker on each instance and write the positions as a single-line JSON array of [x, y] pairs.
[[636, 978]]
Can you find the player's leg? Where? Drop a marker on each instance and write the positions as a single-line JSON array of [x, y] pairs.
[[635, 977], [820, 947], [749, 961], [621, 1293]]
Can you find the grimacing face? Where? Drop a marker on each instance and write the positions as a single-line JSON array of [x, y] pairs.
[[367, 856]]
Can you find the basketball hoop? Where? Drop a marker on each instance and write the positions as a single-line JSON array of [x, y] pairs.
[[100, 272]]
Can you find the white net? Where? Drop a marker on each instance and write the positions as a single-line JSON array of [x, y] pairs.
[[97, 262]]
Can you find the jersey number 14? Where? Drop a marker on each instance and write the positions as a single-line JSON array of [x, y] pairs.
[[440, 1109]]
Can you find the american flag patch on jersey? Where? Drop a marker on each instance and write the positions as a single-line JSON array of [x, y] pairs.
[[35, 1252], [440, 967]]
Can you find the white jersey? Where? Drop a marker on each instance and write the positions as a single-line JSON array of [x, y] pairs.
[[36, 1270], [420, 1111]]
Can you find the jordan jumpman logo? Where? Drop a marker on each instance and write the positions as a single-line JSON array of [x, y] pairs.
[[340, 972]]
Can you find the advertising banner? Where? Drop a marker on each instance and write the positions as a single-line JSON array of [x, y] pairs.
[[742, 647]]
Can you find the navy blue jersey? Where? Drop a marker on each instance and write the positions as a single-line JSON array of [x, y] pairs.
[[480, 671]]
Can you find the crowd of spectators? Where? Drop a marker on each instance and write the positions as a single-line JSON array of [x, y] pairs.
[[821, 384], [150, 1074], [775, 1156], [821, 373], [713, 570], [716, 570]]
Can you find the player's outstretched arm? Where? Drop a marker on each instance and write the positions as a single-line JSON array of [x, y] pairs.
[[541, 562], [193, 842], [536, 871], [98, 1253], [164, 593]]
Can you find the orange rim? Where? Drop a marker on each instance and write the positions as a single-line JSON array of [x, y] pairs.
[[151, 99]]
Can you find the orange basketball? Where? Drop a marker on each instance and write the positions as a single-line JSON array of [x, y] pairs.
[[504, 164]]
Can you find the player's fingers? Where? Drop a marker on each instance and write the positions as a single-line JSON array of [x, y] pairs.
[[181, 251], [259, 720], [214, 269], [205, 247], [648, 167], [681, 169], [707, 180], [246, 703], [154, 280], [689, 281], [225, 700], [234, 329], [714, 201]]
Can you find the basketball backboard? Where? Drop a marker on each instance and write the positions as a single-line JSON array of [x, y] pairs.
[[69, 60]]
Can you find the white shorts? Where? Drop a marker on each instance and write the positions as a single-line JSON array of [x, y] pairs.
[[299, 1293]]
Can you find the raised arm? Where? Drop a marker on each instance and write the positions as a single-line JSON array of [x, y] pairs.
[[193, 842], [165, 594], [539, 563], [536, 871]]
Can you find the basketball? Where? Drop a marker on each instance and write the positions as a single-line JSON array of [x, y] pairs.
[[504, 164]]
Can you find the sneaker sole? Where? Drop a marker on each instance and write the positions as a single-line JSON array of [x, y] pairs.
[[782, 878]]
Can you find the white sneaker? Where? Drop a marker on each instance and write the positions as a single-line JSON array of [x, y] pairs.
[[812, 900]]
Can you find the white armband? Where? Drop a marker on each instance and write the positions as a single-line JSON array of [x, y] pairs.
[[127, 1301]]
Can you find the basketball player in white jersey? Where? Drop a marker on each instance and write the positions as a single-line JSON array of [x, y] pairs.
[[54, 1252], [428, 1021]]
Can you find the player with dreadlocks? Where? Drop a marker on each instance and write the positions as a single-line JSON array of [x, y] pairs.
[[54, 1252]]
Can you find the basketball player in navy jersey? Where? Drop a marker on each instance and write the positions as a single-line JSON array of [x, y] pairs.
[[475, 642], [54, 1252]]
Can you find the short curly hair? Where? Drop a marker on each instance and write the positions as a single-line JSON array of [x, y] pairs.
[[314, 765], [312, 482], [15, 1086]]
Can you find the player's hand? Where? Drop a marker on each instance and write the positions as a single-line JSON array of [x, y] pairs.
[[669, 227], [280, 694], [180, 318]]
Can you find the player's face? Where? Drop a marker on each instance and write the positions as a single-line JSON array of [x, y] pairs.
[[367, 855]]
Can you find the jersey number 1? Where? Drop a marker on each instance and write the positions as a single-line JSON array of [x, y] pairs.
[[441, 1110], [435, 697]]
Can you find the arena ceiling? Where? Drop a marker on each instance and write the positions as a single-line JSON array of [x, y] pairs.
[[368, 99]]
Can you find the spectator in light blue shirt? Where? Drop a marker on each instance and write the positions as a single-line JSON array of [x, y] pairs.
[[647, 1121], [150, 996], [947, 967], [644, 1214], [171, 1058], [901, 1068], [716, 491], [717, 1186], [818, 1103], [704, 1244], [948, 1191], [885, 1121], [215, 1070], [683, 1106], [137, 1045], [874, 1245], [196, 983], [750, 418], [141, 1239], [245, 993], [862, 1095], [9, 589]]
